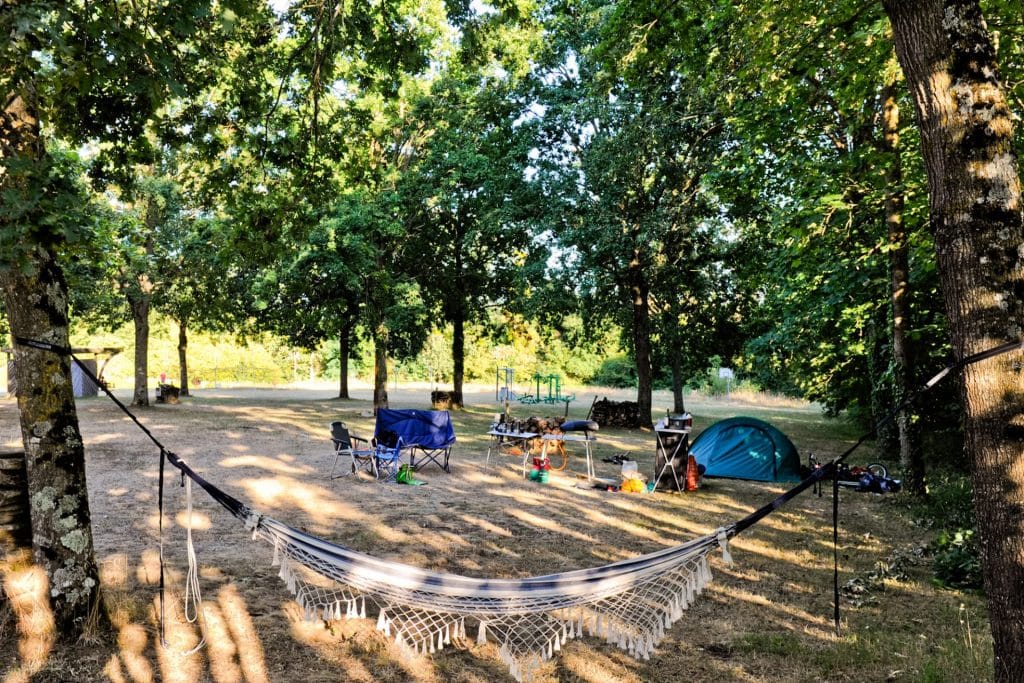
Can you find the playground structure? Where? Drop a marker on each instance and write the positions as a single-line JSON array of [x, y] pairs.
[[548, 389], [554, 391], [503, 378]]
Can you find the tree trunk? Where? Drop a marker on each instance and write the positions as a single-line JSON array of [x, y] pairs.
[[183, 356], [62, 541], [878, 359], [973, 174], [139, 304], [458, 356], [641, 311], [911, 457], [36, 301], [678, 405], [344, 350], [380, 368]]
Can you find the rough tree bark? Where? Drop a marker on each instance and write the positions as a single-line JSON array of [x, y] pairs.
[[947, 56], [139, 305], [458, 314], [140, 298], [54, 453], [36, 300], [678, 404], [911, 457]]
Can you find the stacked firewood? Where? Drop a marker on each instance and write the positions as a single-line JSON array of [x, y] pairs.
[[544, 425], [443, 400], [616, 413]]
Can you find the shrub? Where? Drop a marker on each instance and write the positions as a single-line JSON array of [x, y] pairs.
[[958, 559], [617, 371], [950, 509]]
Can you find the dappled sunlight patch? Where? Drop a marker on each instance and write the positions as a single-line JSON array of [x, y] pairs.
[[799, 556], [147, 572], [482, 477], [176, 663], [213, 574], [106, 438], [389, 533], [113, 670], [356, 650], [113, 570], [522, 496], [154, 520], [131, 660], [195, 520], [443, 542], [781, 614], [276, 465], [220, 648], [251, 657], [628, 525], [27, 589], [486, 525], [287, 493], [585, 663]]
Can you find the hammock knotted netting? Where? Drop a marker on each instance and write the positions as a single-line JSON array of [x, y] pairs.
[[630, 603]]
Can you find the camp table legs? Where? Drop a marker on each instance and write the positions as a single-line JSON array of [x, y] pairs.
[[586, 440], [681, 447], [499, 437]]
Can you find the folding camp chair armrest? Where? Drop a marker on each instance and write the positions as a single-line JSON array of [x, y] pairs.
[[357, 439]]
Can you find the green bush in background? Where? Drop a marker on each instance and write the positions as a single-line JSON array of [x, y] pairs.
[[949, 508]]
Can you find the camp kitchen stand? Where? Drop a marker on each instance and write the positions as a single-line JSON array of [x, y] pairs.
[[673, 447]]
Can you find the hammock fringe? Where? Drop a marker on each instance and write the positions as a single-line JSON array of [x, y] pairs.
[[634, 619]]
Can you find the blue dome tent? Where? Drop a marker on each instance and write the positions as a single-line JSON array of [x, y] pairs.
[[746, 448]]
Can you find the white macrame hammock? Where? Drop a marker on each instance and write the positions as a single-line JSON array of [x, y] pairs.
[[630, 603]]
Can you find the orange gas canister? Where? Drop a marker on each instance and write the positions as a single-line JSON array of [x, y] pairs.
[[692, 476]]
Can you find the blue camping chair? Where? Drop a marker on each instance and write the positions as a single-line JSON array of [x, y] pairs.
[[428, 434], [387, 460]]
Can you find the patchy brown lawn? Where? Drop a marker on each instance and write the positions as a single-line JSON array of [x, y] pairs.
[[766, 618]]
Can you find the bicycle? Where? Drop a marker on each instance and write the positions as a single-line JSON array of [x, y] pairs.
[[850, 476]]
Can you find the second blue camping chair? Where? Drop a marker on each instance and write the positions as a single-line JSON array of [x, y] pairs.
[[388, 458]]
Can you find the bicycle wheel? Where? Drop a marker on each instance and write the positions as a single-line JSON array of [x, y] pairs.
[[878, 469]]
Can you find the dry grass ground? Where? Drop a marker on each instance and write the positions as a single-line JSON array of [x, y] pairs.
[[766, 618]]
